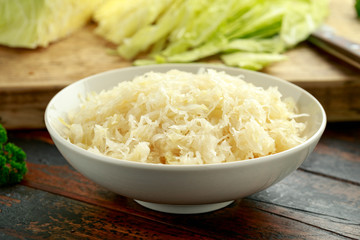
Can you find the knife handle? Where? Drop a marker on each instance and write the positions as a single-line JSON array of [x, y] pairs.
[[338, 46]]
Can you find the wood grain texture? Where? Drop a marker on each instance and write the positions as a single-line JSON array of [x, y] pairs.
[[341, 103], [32, 214], [30, 78], [338, 153], [328, 205], [77, 56], [318, 201]]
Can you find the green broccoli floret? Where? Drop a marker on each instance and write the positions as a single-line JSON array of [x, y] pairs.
[[12, 161], [357, 8], [3, 135]]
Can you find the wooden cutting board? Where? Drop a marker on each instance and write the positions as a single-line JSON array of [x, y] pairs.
[[30, 78]]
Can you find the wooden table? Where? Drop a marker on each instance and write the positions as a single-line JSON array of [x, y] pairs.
[[320, 200]]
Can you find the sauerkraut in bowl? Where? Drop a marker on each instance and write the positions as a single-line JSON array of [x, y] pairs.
[[184, 138], [186, 118]]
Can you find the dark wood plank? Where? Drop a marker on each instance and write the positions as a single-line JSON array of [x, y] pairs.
[[304, 205], [302, 197], [338, 153], [26, 213], [348, 231], [316, 200], [34, 214]]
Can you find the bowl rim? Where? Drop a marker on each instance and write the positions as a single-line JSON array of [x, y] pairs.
[[126, 163]]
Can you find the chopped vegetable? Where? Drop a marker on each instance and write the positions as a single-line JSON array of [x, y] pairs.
[[12, 161], [189, 30], [357, 7], [183, 118], [252, 61], [34, 23], [119, 19]]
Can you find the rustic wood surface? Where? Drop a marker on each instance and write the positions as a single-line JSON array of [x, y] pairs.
[[320, 200], [30, 78]]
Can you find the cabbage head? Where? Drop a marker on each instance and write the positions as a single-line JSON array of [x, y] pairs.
[[36, 23]]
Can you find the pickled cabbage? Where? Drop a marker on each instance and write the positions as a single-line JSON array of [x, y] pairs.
[[183, 118]]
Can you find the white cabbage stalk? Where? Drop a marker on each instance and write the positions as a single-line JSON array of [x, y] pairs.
[[119, 19]]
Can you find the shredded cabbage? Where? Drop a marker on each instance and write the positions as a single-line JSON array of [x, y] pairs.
[[184, 118]]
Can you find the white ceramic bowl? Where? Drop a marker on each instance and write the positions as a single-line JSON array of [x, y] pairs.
[[191, 188]]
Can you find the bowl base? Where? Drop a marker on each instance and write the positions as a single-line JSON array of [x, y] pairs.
[[184, 209]]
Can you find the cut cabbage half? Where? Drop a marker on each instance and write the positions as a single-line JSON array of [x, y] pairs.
[[36, 23]]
